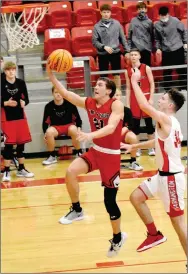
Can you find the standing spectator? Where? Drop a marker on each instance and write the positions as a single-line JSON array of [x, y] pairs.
[[147, 85], [14, 98], [62, 117], [107, 36], [171, 41], [140, 33]]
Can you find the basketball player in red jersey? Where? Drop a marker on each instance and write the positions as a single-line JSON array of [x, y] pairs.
[[147, 86], [169, 182], [106, 118]]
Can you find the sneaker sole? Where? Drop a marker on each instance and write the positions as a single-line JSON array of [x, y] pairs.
[[164, 239], [6, 180], [18, 175], [135, 169], [70, 222], [49, 163], [125, 236]]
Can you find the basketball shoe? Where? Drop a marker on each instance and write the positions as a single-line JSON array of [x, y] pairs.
[[71, 217], [50, 160], [115, 248], [135, 166], [6, 176], [151, 241], [24, 173]]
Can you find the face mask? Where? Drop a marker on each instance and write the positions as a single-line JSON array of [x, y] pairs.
[[142, 15], [164, 20]]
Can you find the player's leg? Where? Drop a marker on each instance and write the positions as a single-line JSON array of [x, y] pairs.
[[131, 138], [150, 133], [138, 198], [7, 154], [136, 131], [72, 132], [50, 136], [115, 60], [22, 171], [81, 165], [172, 191], [110, 174]]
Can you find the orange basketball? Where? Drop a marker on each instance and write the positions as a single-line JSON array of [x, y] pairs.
[[60, 60]]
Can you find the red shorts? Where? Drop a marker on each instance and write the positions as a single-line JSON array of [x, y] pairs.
[[108, 165], [63, 130], [16, 132]]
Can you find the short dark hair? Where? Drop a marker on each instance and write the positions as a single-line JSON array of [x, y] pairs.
[[163, 10], [134, 49], [141, 5], [177, 98], [105, 7], [2, 58], [53, 88], [109, 85]]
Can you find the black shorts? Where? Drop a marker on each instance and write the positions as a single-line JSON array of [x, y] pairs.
[[113, 59], [149, 126]]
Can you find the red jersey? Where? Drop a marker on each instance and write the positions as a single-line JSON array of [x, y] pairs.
[[98, 118], [145, 87]]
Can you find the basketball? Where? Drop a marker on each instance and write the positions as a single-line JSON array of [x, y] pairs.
[[60, 60]]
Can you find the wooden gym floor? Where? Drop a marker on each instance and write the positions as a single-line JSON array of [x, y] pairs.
[[33, 241]]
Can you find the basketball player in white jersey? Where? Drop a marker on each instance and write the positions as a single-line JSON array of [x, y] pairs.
[[169, 182]]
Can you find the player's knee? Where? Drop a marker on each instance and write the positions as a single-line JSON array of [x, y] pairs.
[[132, 138], [137, 197], [8, 152], [72, 131], [50, 133], [20, 151], [72, 171], [110, 203]]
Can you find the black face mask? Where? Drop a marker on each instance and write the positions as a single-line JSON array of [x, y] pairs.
[[142, 15], [106, 21]]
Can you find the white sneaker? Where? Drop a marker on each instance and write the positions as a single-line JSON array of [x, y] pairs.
[[51, 160], [151, 152], [24, 173], [71, 217], [135, 166], [115, 248], [138, 153], [6, 176]]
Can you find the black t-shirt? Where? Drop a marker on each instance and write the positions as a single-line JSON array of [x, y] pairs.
[[128, 118], [17, 91], [59, 115]]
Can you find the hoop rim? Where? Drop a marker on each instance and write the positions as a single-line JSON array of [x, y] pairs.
[[20, 8]]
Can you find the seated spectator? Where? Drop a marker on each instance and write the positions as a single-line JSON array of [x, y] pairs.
[[60, 118], [171, 42], [140, 34], [127, 135]]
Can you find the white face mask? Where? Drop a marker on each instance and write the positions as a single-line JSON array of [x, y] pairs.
[[164, 19]]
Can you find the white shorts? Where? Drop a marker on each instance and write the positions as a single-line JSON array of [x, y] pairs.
[[170, 189]]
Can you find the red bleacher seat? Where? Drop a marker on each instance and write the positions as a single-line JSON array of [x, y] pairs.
[[126, 29], [130, 11], [181, 10], [117, 9], [82, 41], [85, 13], [156, 61], [75, 77], [154, 9], [184, 21], [59, 15], [53, 40]]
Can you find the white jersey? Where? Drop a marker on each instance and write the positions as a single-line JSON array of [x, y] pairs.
[[168, 151]]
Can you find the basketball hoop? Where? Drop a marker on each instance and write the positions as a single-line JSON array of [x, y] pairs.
[[21, 32]]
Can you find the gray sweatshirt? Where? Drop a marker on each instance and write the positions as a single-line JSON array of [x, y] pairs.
[[140, 34], [111, 36], [171, 35]]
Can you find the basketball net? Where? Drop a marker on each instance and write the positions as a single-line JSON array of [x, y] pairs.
[[22, 32]]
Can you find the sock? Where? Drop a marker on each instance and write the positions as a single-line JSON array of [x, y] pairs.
[[7, 169], [78, 151], [133, 159], [76, 207], [21, 166], [117, 238], [151, 228], [52, 153]]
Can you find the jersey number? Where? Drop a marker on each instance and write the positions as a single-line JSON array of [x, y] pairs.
[[98, 123], [177, 142]]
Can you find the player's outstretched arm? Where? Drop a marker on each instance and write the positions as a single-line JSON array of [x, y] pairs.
[[68, 95], [158, 116], [141, 145]]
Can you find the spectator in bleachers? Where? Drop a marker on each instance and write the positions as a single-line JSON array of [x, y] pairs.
[[60, 118], [171, 41], [147, 85], [140, 34], [14, 98], [107, 36]]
